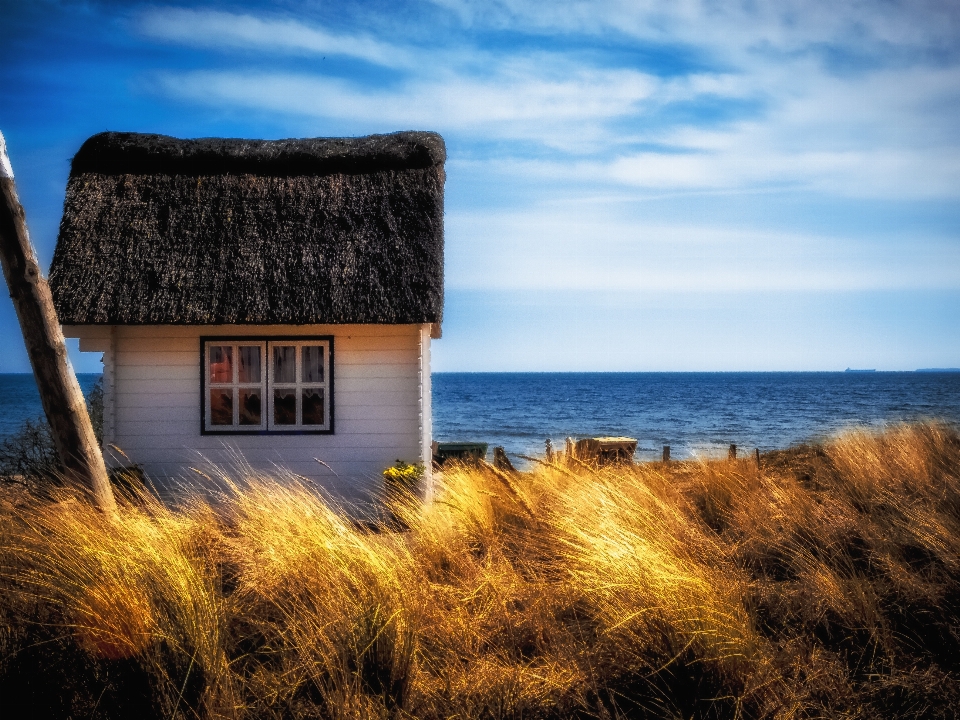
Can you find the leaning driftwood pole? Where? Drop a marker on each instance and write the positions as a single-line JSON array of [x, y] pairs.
[[60, 392]]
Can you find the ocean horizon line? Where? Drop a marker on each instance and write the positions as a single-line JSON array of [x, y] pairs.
[[688, 372], [846, 371]]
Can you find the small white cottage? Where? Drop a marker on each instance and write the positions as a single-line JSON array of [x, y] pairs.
[[270, 300]]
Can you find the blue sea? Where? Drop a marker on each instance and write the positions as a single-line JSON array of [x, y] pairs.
[[20, 401], [696, 414]]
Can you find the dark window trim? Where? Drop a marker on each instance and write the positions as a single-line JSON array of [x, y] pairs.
[[204, 339]]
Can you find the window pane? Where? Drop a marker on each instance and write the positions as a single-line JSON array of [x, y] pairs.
[[312, 364], [221, 407], [221, 363], [250, 406], [285, 407], [313, 406], [284, 364], [248, 360]]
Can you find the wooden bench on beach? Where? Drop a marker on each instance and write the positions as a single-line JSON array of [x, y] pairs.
[[604, 450]]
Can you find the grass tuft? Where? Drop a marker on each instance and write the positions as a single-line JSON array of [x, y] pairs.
[[822, 583]]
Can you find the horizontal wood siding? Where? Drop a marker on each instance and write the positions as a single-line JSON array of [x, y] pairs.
[[155, 401], [426, 410]]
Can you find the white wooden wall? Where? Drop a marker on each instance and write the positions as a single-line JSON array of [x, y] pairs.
[[382, 408]]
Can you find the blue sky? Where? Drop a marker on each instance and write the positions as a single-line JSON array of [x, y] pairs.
[[678, 185]]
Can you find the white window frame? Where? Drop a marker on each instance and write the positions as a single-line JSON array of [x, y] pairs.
[[235, 386], [267, 385], [298, 386]]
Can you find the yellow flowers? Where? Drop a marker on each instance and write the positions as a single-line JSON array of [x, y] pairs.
[[403, 475]]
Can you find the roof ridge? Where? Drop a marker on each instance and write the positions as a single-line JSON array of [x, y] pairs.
[[127, 153]]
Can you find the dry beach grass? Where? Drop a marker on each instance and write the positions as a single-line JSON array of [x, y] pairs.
[[824, 583]]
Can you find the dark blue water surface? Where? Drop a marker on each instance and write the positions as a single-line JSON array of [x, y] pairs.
[[20, 401], [697, 414]]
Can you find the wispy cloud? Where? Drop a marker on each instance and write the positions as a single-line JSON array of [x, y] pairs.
[[739, 27], [215, 29], [577, 247], [886, 129], [513, 102]]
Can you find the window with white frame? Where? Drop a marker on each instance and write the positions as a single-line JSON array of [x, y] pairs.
[[275, 385]]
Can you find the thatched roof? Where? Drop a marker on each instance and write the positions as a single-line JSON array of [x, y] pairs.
[[158, 230]]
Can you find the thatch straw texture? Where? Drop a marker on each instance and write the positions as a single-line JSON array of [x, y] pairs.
[[158, 230]]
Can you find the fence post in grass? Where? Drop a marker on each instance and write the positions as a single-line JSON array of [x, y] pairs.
[[501, 461], [732, 453], [666, 453], [60, 393], [758, 457]]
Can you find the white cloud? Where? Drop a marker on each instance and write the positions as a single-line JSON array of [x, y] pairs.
[[732, 28], [512, 103], [879, 131], [214, 29], [891, 134], [578, 247]]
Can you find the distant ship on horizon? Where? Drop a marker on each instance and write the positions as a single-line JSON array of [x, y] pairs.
[[919, 370]]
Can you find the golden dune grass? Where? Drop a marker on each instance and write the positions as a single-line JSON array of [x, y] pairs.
[[825, 583]]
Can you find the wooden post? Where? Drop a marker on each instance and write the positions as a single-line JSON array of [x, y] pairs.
[[732, 453], [60, 393], [758, 457], [501, 461], [666, 453]]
